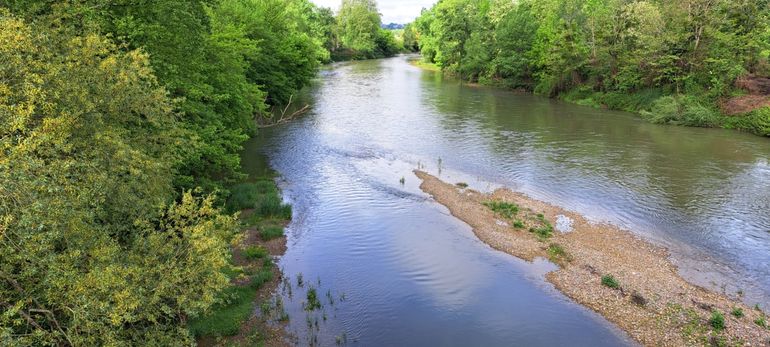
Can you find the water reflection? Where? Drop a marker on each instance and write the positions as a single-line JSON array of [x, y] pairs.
[[413, 275]]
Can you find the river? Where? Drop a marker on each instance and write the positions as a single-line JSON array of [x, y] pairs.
[[393, 268]]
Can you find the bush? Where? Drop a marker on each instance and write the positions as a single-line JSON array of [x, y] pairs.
[[610, 281], [681, 110]]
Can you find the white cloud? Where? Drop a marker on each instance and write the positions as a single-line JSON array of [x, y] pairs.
[[393, 11]]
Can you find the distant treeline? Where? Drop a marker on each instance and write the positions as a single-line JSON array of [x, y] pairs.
[[673, 61], [121, 124]]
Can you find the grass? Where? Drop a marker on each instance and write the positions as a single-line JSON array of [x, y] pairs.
[[270, 232], [557, 253], [225, 319], [262, 196], [737, 312], [761, 322], [717, 320], [610, 282], [260, 278], [255, 252], [312, 300], [518, 224], [502, 208]]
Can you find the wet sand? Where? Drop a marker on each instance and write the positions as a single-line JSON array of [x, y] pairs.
[[653, 303]]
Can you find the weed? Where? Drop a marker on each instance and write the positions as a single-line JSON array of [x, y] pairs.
[[300, 281], [265, 308], [270, 205], [225, 319], [737, 312], [717, 320], [502, 208], [271, 232], [610, 281], [761, 322], [556, 252], [518, 224], [261, 277], [255, 252], [312, 300], [543, 232], [461, 185], [402, 181]]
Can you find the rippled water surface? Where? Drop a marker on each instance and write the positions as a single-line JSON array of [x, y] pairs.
[[393, 268]]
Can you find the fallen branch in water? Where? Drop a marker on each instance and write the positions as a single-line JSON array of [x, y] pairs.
[[283, 117]]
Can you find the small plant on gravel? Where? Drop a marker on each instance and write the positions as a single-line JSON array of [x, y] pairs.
[[717, 320], [761, 322], [461, 185], [556, 252], [502, 208], [737, 312], [518, 224], [610, 281], [255, 252]]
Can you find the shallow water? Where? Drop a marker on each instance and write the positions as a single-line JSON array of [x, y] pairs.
[[392, 267]]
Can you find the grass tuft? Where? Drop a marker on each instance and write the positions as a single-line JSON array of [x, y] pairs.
[[610, 281], [717, 320], [737, 312], [502, 208], [518, 224], [271, 232], [312, 300], [255, 252]]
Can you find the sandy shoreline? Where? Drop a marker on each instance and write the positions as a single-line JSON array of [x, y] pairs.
[[653, 304]]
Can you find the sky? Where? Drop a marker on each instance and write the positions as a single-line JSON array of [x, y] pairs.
[[393, 11]]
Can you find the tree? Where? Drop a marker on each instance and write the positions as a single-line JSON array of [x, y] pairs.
[[93, 248]]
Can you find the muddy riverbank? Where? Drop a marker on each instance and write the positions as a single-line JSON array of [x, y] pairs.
[[628, 280]]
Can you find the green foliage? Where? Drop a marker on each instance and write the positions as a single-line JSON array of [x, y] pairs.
[[255, 252], [617, 54], [737, 312], [504, 209], [761, 321], [264, 275], [271, 232], [518, 224], [359, 33], [717, 320], [313, 303], [610, 281], [225, 319]]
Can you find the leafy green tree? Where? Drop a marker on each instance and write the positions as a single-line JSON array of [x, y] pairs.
[[93, 248]]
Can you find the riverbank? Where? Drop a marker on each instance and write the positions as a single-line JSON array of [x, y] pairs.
[[656, 107], [247, 314], [629, 281]]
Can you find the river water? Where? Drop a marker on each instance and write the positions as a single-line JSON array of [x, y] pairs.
[[393, 268]]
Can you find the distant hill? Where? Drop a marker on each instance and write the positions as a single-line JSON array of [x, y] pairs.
[[392, 26]]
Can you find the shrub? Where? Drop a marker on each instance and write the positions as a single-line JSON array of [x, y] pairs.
[[681, 110], [610, 281]]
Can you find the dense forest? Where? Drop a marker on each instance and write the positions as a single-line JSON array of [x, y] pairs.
[[690, 62], [121, 124]]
